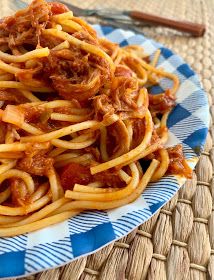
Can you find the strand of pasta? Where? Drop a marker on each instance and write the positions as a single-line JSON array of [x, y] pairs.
[[128, 124], [83, 159], [37, 225], [61, 132], [6, 166], [150, 149], [19, 85], [9, 68], [122, 160], [69, 118], [5, 220], [56, 103], [9, 137], [164, 163], [11, 155], [165, 74], [62, 46], [29, 95], [124, 176], [103, 143], [155, 58], [81, 44], [12, 115], [40, 192], [19, 174], [163, 126], [43, 52], [88, 189], [40, 214], [67, 130], [109, 196], [72, 146], [69, 25], [96, 184], [6, 77], [66, 156], [73, 205], [5, 195], [24, 210], [55, 186]]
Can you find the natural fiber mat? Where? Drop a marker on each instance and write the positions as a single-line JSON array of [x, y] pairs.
[[178, 242]]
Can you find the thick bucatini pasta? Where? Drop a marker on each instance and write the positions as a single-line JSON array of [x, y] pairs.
[[77, 115]]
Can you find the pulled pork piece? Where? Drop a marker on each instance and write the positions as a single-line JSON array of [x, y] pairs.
[[36, 165], [32, 114], [94, 151], [36, 161], [75, 173], [13, 96], [102, 105], [121, 99], [177, 162], [110, 178], [161, 103], [124, 71], [75, 74], [19, 192], [28, 76], [26, 25]]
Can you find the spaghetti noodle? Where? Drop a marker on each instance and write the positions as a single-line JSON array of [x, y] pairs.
[[77, 115]]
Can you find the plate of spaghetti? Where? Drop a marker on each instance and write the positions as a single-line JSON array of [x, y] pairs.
[[99, 128]]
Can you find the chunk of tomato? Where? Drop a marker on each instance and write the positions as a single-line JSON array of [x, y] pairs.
[[75, 173], [58, 8]]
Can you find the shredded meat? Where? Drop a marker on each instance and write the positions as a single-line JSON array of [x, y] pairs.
[[64, 110], [120, 99], [12, 95], [109, 178], [36, 161], [32, 77], [75, 173], [86, 36], [178, 164], [102, 105], [32, 114], [36, 165], [26, 25], [161, 103], [94, 151], [124, 71], [73, 74]]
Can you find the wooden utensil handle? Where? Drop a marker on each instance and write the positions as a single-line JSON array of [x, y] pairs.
[[193, 28]]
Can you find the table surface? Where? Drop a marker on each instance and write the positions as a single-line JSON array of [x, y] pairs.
[[178, 242]]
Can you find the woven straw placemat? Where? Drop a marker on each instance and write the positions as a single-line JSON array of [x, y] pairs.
[[178, 242]]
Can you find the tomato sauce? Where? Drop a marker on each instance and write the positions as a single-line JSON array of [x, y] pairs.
[[58, 8], [177, 162]]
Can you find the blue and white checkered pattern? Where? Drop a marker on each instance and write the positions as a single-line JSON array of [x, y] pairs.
[[89, 231]]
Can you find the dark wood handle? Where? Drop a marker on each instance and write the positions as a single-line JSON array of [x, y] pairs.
[[185, 26]]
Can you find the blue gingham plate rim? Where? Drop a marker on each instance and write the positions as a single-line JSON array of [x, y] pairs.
[[88, 232]]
